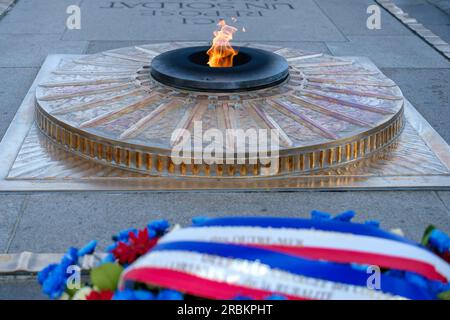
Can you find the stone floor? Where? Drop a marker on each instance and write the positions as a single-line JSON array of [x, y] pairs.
[[443, 5], [50, 222]]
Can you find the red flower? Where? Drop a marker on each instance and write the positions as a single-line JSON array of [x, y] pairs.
[[137, 246], [100, 295]]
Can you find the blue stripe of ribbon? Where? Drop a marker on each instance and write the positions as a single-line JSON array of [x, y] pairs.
[[330, 271], [298, 223]]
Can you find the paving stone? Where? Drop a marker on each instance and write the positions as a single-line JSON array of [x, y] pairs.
[[426, 13], [37, 17], [445, 197], [391, 51], [434, 19], [21, 289], [351, 18], [54, 221], [429, 92], [195, 20], [28, 50], [443, 5], [10, 206], [14, 84]]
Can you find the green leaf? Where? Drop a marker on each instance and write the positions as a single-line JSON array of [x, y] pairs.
[[426, 234], [444, 295], [106, 276], [71, 292]]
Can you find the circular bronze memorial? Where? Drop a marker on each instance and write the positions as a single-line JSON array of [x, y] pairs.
[[123, 107]]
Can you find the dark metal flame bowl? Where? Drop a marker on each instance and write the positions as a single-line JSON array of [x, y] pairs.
[[187, 68]]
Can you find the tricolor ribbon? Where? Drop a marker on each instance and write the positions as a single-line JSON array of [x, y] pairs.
[[257, 269], [299, 258], [325, 245]]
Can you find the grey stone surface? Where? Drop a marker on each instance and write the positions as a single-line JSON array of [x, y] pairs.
[[10, 208], [445, 197], [188, 20], [429, 92], [353, 15], [14, 84], [392, 51], [409, 2], [443, 5], [5, 6], [30, 50], [99, 46], [37, 17], [20, 289], [426, 13], [54, 221]]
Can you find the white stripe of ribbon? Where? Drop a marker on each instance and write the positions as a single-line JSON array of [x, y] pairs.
[[309, 238]]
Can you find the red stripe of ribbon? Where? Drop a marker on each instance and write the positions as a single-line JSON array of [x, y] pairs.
[[350, 256], [194, 285]]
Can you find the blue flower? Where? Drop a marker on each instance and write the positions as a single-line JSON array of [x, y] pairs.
[[159, 226], [319, 215], [128, 294], [152, 233], [169, 295], [437, 287], [44, 273], [433, 286], [441, 287], [108, 258], [276, 297], [199, 220], [439, 241], [346, 216], [55, 284], [373, 223], [88, 249], [111, 247], [70, 258], [53, 278], [124, 235]]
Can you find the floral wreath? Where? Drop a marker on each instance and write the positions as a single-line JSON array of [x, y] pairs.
[[133, 247]]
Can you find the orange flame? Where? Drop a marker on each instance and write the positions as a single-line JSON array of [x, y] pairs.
[[221, 53]]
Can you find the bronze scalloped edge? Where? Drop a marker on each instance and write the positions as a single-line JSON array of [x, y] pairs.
[[432, 39], [128, 157]]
